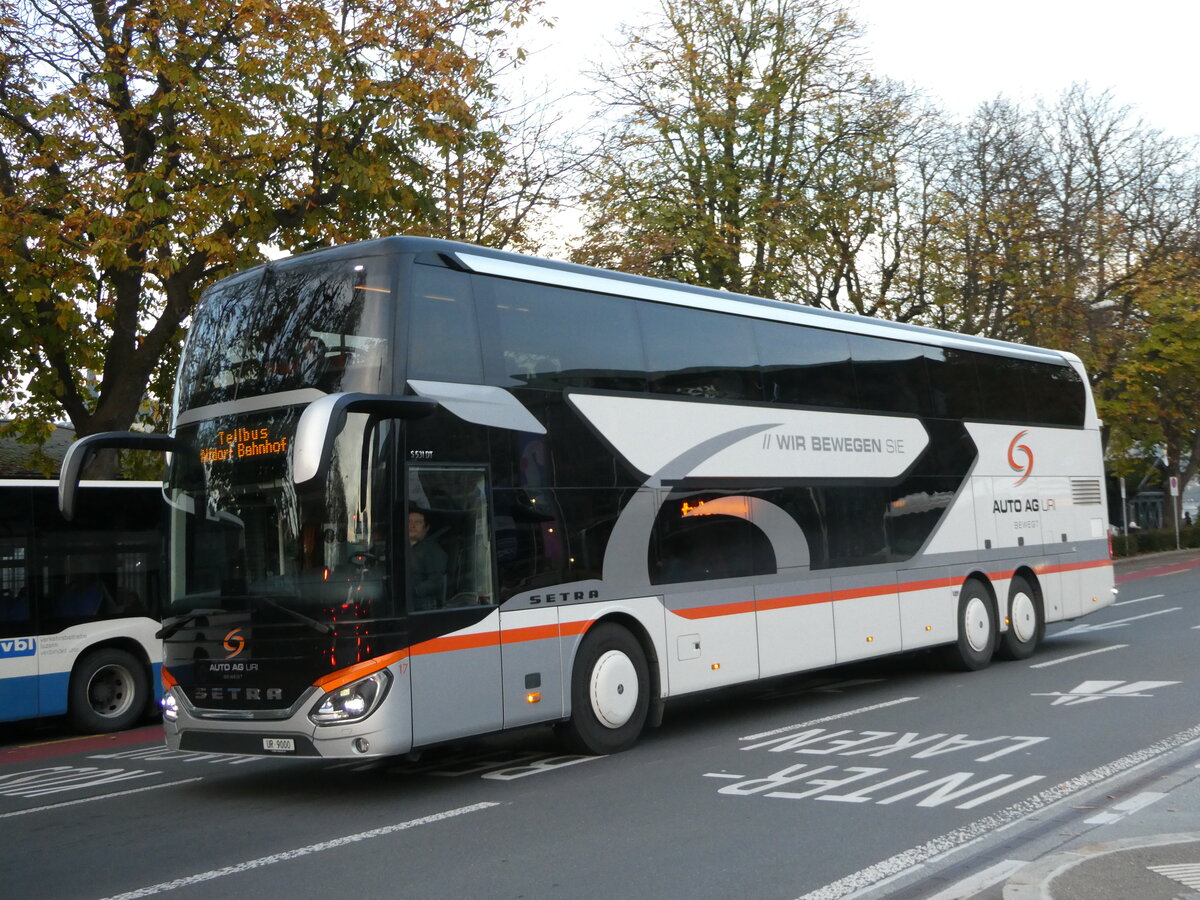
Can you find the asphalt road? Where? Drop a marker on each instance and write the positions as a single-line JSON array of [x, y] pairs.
[[890, 779]]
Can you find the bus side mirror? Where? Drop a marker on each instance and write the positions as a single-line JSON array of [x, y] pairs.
[[80, 453], [322, 420]]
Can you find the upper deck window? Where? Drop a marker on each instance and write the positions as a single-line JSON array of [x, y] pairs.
[[307, 323]]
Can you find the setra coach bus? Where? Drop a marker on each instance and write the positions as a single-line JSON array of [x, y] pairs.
[[421, 490]]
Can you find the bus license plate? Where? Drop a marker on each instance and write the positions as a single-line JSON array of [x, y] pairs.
[[279, 745]]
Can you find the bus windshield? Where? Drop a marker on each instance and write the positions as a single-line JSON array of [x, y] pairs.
[[262, 346], [245, 539], [291, 325]]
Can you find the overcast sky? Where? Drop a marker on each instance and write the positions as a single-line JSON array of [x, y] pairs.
[[963, 52]]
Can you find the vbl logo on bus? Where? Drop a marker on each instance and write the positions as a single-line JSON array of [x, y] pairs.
[[18, 647]]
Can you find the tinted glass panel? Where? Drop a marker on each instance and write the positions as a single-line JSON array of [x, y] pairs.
[[954, 383], [443, 338], [692, 543], [1060, 395], [552, 338], [699, 353], [807, 366], [890, 375], [1002, 388]]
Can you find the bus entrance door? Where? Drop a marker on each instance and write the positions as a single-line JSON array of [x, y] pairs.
[[455, 658]]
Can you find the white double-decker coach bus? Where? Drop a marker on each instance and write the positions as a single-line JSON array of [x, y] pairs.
[[422, 490]]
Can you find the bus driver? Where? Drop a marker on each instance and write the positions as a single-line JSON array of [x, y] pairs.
[[427, 564]]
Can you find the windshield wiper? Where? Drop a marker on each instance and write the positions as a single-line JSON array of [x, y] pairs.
[[167, 630], [320, 627]]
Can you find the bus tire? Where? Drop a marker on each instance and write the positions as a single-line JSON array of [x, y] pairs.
[[610, 692], [976, 629], [1026, 622], [108, 692]]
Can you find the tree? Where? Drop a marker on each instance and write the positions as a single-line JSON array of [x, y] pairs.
[[148, 147], [1153, 397], [744, 157]]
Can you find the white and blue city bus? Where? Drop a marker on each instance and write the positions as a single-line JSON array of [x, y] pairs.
[[421, 490], [80, 603]]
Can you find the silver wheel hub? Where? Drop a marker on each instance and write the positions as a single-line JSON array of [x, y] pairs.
[[110, 692], [977, 624], [1023, 617], [613, 689]]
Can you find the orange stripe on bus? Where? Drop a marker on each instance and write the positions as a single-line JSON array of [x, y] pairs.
[[881, 590], [797, 600], [456, 642], [720, 609], [341, 677], [1076, 566]]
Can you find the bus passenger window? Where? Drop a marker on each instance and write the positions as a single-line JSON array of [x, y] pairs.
[[443, 338], [699, 353]]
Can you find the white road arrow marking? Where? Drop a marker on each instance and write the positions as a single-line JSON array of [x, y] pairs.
[[1118, 623], [1091, 691]]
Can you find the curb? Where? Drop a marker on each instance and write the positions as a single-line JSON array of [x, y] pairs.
[[1033, 881]]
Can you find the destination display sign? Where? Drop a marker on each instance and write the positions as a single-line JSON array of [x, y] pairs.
[[243, 442]]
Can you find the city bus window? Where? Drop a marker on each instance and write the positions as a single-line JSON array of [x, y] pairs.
[[16, 608], [449, 544], [699, 353], [443, 338]]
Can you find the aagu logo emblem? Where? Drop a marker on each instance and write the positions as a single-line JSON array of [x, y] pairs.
[[1025, 466], [234, 643]]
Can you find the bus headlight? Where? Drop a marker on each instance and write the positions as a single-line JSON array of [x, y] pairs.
[[353, 702], [170, 707]]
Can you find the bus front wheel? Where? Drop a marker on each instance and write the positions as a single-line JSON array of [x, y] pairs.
[[610, 696], [976, 629], [109, 691]]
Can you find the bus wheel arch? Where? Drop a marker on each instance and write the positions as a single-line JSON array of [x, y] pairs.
[[1026, 616], [109, 689], [613, 687], [977, 626]]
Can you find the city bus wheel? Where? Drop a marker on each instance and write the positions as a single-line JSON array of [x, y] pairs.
[[1026, 624], [976, 629], [108, 692], [610, 696]]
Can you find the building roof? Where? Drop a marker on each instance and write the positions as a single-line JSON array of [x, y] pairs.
[[20, 460]]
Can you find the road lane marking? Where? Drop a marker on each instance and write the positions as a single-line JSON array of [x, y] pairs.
[[1121, 810], [50, 806], [852, 712], [1055, 662], [957, 839], [980, 881], [1087, 628], [287, 855], [1187, 874], [1140, 600]]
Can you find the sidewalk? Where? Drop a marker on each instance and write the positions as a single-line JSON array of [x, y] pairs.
[[1151, 846]]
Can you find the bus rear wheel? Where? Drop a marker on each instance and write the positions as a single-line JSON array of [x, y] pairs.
[[109, 691], [610, 696], [976, 629], [1026, 623]]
